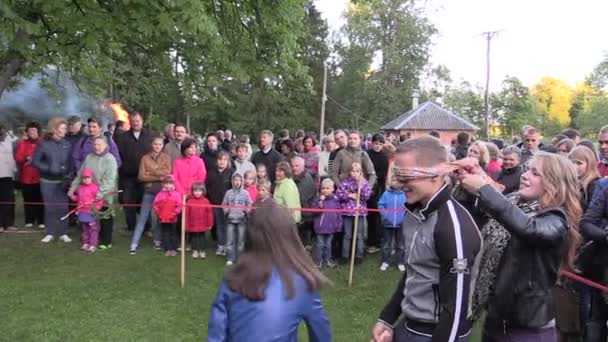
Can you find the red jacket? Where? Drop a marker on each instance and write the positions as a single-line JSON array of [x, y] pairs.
[[28, 174], [167, 205], [199, 215]]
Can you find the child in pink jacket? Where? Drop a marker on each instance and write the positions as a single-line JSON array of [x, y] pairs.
[[189, 168], [167, 205], [85, 197]]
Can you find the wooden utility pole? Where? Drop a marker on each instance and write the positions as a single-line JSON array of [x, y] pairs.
[[489, 35], [323, 100]]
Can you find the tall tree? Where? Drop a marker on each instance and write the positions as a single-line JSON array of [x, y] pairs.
[[555, 98]]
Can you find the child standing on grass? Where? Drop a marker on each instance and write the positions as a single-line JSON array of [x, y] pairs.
[[347, 193], [85, 198], [393, 199], [326, 223], [236, 218], [199, 219], [167, 205], [218, 182], [251, 184]]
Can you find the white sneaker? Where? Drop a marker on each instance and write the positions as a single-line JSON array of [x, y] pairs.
[[384, 267], [65, 238], [41, 226], [221, 250], [195, 255], [202, 255], [401, 267], [28, 225], [228, 263], [47, 239]]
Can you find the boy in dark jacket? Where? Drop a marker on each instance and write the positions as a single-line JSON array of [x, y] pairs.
[[326, 223], [217, 183], [393, 199], [236, 218]]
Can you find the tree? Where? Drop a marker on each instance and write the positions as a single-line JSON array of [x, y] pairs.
[[513, 107], [466, 101], [590, 121], [555, 98], [598, 78]]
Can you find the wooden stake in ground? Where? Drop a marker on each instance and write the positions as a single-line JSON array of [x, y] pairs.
[[183, 244], [353, 247]]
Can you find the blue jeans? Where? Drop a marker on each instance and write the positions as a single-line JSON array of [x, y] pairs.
[[323, 248], [55, 200], [235, 240], [219, 220], [349, 223], [144, 214], [390, 235]]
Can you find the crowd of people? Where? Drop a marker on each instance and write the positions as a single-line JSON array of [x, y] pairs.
[[479, 229]]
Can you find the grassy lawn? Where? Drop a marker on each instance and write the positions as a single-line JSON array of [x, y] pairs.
[[55, 292]]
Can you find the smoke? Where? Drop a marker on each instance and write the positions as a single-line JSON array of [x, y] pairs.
[[40, 98]]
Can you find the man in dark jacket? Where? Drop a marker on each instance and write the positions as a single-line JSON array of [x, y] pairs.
[[267, 155], [211, 151], [461, 150], [511, 171], [341, 141], [74, 133], [132, 146], [308, 190], [380, 161], [442, 243]]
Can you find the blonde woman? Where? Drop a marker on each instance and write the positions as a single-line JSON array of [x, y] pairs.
[[585, 161], [479, 151], [520, 304]]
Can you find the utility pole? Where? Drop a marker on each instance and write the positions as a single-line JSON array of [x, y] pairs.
[[489, 35], [323, 100]]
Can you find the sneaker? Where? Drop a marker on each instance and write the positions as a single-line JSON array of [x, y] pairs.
[[104, 247], [221, 250], [41, 226], [173, 253], [92, 249], [168, 253], [308, 248], [401, 267], [195, 255], [384, 267], [157, 246], [12, 229], [228, 263], [373, 249], [319, 265], [133, 250], [65, 238], [47, 239], [202, 255], [85, 246], [28, 225], [1, 229], [188, 248], [330, 263]]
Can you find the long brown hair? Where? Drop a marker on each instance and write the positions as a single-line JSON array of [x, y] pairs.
[[562, 191], [584, 154], [272, 243]]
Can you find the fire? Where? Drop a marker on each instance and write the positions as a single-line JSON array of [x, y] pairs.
[[120, 114]]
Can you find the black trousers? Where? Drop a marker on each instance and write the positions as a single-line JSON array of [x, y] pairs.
[[7, 205], [34, 213], [169, 236], [198, 241], [306, 232], [132, 194], [374, 221], [106, 228]]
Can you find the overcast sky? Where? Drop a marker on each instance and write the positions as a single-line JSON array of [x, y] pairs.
[[559, 38]]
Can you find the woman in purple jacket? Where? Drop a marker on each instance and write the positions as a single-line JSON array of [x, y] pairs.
[[84, 147]]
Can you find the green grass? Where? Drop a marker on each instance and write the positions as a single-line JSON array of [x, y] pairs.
[[55, 292]]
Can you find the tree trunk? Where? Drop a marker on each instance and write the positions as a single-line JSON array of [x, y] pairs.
[[11, 62]]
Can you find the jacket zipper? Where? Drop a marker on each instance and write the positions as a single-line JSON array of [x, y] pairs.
[[394, 212], [322, 216]]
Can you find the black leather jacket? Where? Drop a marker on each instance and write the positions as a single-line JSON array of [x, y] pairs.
[[529, 268]]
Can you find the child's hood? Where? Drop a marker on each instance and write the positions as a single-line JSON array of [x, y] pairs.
[[235, 175], [87, 173]]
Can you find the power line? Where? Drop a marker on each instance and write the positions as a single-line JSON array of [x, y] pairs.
[[350, 111]]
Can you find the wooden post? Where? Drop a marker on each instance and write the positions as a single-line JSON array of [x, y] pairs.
[[183, 244], [355, 231]]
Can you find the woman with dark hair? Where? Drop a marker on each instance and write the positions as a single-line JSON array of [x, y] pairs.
[[522, 254], [565, 146], [7, 183], [54, 161], [287, 149], [29, 176], [84, 147], [189, 168], [310, 156], [286, 191], [272, 288]]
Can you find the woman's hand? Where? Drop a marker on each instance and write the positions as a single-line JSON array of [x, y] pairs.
[[382, 333], [470, 165], [473, 182]]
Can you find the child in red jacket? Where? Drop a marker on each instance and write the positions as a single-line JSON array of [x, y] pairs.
[[167, 205], [85, 197], [199, 219]]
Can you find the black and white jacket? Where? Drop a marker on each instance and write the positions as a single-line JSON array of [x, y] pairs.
[[442, 244]]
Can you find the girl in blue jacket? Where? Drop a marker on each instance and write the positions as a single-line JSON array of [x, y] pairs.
[[273, 286], [393, 199]]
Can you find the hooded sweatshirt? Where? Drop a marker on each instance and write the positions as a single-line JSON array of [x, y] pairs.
[[394, 200], [327, 222], [236, 197]]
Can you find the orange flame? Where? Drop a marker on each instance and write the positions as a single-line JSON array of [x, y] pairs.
[[120, 114]]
